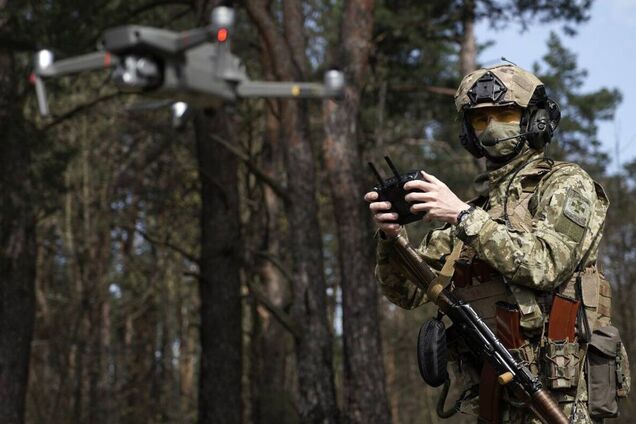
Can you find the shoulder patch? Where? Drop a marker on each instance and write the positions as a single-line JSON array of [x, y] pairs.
[[577, 207], [575, 216]]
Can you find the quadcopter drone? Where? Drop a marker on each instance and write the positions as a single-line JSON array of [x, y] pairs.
[[193, 68]]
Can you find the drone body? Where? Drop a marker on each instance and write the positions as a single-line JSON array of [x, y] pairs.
[[194, 67]]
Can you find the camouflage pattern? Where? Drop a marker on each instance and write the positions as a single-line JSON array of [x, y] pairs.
[[555, 213], [567, 209], [520, 86]]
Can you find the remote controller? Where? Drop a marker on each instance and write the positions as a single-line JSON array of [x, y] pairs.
[[392, 190]]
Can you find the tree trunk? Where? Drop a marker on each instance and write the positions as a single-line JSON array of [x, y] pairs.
[[17, 247], [364, 384], [220, 286], [313, 348], [468, 48], [273, 400]]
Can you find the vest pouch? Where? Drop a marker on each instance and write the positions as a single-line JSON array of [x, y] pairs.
[[606, 378], [562, 362], [432, 352]]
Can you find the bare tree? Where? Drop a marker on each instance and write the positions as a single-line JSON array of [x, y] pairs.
[[17, 242], [364, 380], [313, 344], [220, 284]]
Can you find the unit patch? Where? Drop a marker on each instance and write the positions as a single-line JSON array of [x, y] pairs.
[[577, 207], [575, 215]]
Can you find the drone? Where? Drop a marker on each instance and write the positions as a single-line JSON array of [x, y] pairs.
[[191, 69]]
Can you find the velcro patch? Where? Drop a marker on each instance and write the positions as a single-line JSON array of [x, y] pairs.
[[575, 215], [577, 207]]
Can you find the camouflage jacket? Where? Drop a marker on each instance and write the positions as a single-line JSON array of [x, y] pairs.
[[552, 233]]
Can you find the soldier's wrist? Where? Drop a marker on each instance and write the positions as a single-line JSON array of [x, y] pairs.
[[471, 224], [464, 214]]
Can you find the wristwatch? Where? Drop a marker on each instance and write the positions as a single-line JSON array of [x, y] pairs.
[[463, 214]]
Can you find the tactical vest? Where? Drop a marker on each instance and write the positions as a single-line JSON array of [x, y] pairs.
[[480, 285], [559, 364]]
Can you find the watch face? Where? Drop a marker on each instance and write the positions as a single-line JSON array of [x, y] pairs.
[[464, 214]]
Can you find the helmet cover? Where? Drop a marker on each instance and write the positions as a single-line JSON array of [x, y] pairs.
[[496, 86]]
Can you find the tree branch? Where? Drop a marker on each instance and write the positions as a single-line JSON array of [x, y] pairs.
[[16, 44], [79, 109], [282, 316], [445, 91], [274, 261], [254, 169], [156, 3], [189, 256]]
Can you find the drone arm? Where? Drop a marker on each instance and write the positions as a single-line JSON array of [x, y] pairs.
[[188, 39], [86, 62], [46, 67], [282, 90]]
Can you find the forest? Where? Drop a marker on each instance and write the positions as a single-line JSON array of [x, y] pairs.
[[223, 272]]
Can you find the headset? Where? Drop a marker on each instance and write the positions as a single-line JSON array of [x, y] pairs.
[[539, 120]]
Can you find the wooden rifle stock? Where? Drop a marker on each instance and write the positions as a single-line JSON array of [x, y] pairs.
[[490, 348]]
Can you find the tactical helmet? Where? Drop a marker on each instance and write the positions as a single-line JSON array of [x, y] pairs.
[[506, 85]]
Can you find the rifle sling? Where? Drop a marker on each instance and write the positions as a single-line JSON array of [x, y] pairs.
[[445, 276]]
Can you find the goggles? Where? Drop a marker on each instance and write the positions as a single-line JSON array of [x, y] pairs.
[[480, 118]]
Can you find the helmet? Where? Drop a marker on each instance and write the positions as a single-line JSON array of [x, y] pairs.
[[505, 85]]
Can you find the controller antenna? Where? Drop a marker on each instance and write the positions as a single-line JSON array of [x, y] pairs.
[[377, 174], [392, 166]]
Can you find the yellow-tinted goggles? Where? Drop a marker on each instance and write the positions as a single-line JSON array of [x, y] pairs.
[[479, 118]]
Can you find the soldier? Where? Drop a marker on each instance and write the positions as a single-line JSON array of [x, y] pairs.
[[529, 239]]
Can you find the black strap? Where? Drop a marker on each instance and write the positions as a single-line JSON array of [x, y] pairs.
[[468, 393]]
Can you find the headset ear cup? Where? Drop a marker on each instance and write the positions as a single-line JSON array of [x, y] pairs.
[[540, 129], [554, 111], [469, 141]]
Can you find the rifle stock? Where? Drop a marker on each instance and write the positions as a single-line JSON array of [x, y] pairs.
[[526, 386]]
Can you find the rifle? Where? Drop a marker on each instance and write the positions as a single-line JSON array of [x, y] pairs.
[[526, 386]]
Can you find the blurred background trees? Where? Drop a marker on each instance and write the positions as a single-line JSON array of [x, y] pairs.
[[223, 273]]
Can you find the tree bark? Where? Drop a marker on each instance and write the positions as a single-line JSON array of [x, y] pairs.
[[273, 344], [364, 378], [220, 286], [17, 247], [317, 400], [468, 46]]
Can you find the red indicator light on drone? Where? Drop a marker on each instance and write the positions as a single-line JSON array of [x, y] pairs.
[[221, 35]]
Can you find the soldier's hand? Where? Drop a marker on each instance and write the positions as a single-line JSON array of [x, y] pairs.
[[436, 199], [383, 219]]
